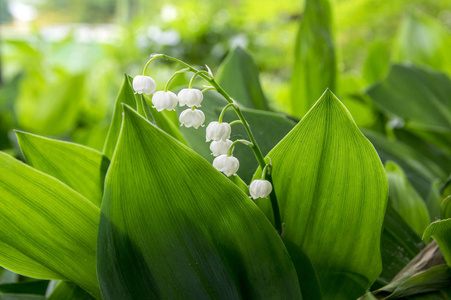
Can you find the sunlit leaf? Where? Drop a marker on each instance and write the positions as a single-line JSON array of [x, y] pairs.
[[48, 230], [314, 67], [81, 168], [332, 192], [173, 227]]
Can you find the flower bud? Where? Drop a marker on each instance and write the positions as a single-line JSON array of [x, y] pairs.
[[144, 84], [226, 164], [194, 118], [260, 188], [190, 97], [218, 131], [220, 147], [164, 100]]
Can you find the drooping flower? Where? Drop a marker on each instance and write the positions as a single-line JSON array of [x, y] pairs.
[[260, 188], [190, 97], [192, 118], [220, 147], [144, 84], [164, 100], [218, 131], [228, 165]]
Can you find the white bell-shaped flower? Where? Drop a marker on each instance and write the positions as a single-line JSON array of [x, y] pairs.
[[228, 165], [164, 100], [220, 147], [192, 118], [190, 97], [144, 84], [260, 188], [218, 131]]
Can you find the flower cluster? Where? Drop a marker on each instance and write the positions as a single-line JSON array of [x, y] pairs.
[[167, 100], [217, 132]]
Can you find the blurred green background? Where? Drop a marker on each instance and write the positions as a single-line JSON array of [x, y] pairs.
[[62, 62]]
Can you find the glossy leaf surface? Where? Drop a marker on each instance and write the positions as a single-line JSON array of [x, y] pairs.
[[332, 192], [174, 227]]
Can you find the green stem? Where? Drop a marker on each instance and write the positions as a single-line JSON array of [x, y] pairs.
[[221, 116], [244, 142], [191, 82], [207, 89], [236, 122], [166, 87], [257, 152]]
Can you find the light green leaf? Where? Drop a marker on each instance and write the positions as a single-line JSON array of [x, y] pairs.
[[332, 192], [238, 75], [125, 96], [420, 170], [377, 62], [80, 167], [405, 200], [421, 96], [441, 232], [47, 222], [314, 62], [173, 227]]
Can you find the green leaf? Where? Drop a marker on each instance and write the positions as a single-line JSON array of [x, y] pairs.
[[20, 297], [238, 75], [48, 230], [81, 168], [405, 200], [68, 291], [421, 96], [173, 227], [399, 245], [434, 201], [332, 193], [314, 62], [420, 170], [125, 96], [268, 129], [377, 62], [441, 232]]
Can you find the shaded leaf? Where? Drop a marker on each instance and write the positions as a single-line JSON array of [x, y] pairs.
[[405, 200], [33, 287], [441, 232], [80, 167], [238, 75], [68, 291], [332, 193], [48, 230], [314, 60], [445, 208], [173, 227]]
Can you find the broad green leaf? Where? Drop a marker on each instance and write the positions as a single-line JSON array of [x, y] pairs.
[[332, 193], [421, 96], [405, 200], [420, 169], [399, 245], [173, 227], [268, 128], [80, 167], [434, 201], [238, 75], [441, 232], [68, 291], [48, 223], [125, 96], [377, 62], [314, 61]]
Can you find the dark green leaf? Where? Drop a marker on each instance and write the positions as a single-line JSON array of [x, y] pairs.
[[441, 232], [68, 291], [238, 75]]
